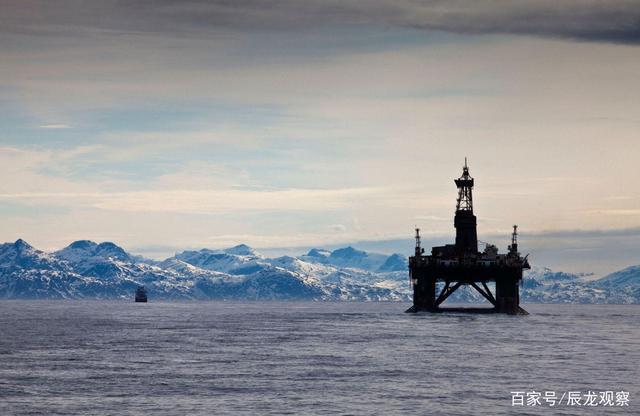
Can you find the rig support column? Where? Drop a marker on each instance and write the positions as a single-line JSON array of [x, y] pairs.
[[507, 295], [424, 293]]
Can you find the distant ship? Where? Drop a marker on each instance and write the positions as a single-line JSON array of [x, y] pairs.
[[141, 294]]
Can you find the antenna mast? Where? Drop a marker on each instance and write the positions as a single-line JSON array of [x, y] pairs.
[[513, 248]]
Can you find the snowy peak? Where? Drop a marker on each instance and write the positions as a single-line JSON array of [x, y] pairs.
[[241, 250], [394, 263], [21, 245], [18, 249], [353, 258], [173, 263], [350, 257], [299, 265], [629, 276], [240, 259], [84, 245], [318, 253], [104, 261], [348, 253], [545, 274], [82, 250], [77, 251], [110, 250], [22, 255]]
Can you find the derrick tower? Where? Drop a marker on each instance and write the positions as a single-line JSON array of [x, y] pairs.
[[464, 221]]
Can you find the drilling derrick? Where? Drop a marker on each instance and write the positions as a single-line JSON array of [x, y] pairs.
[[453, 265], [465, 221]]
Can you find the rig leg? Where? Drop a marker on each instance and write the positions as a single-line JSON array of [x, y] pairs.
[[508, 296], [424, 295]]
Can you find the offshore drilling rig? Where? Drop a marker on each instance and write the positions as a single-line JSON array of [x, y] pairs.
[[462, 264]]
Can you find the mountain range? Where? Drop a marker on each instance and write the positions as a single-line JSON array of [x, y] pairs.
[[88, 270]]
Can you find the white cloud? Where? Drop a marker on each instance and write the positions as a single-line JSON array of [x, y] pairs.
[[203, 201], [54, 126], [617, 212], [338, 228]]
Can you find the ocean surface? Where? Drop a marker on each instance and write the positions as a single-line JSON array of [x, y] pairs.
[[262, 358]]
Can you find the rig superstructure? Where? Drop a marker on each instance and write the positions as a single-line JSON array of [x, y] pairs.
[[462, 264]]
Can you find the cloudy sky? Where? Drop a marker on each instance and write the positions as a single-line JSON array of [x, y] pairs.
[[164, 125]]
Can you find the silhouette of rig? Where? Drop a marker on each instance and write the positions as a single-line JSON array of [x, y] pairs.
[[462, 264]]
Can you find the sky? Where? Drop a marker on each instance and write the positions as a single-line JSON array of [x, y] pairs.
[[282, 124]]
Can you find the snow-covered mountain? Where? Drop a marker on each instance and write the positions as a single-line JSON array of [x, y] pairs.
[[622, 286], [86, 269], [31, 273], [542, 285], [348, 257]]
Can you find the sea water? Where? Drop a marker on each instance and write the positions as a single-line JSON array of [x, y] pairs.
[[254, 358]]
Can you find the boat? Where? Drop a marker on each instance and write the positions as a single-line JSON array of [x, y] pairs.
[[141, 294]]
